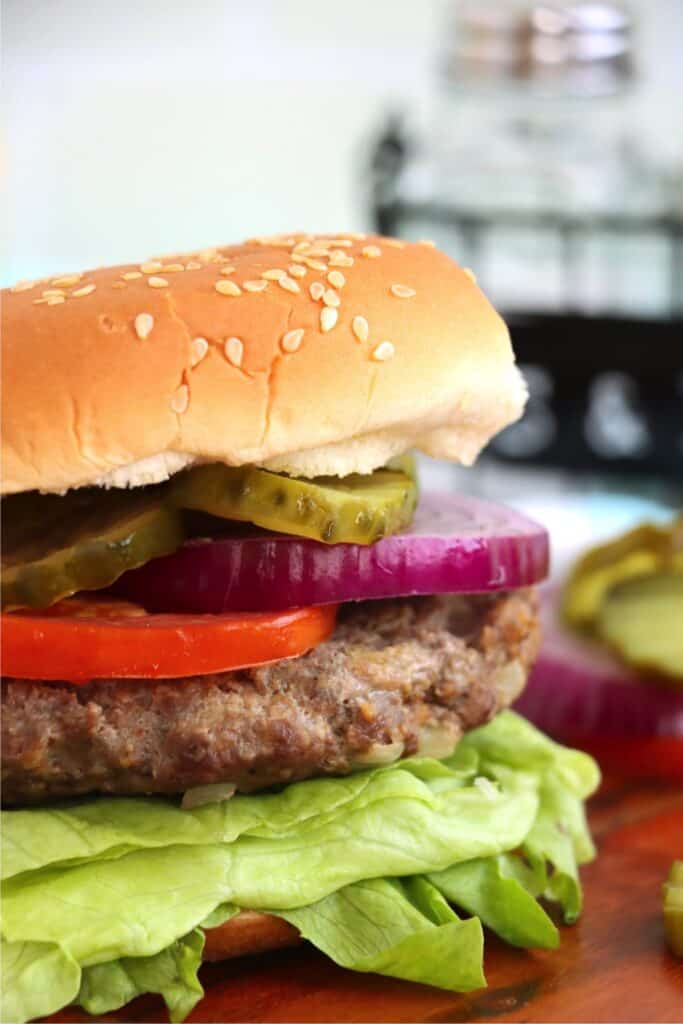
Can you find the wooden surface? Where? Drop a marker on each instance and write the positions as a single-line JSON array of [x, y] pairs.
[[612, 966]]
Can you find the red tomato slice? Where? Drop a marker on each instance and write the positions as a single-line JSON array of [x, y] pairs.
[[644, 757], [80, 639]]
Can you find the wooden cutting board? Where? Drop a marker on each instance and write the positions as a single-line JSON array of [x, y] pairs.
[[612, 966]]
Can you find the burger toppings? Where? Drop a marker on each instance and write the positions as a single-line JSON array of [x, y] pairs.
[[579, 692], [53, 545], [395, 678], [354, 509], [79, 640], [645, 551], [454, 545], [641, 621]]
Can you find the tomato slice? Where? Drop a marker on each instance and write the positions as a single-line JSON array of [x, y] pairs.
[[82, 639], [644, 757]]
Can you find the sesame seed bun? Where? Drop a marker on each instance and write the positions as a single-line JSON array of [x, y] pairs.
[[305, 354]]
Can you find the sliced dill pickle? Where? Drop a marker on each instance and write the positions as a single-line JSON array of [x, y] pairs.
[[54, 545], [355, 509], [642, 620], [673, 908], [646, 550]]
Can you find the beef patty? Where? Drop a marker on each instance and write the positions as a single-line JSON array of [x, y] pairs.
[[396, 677]]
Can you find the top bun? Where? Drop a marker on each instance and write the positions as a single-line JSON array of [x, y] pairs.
[[307, 354]]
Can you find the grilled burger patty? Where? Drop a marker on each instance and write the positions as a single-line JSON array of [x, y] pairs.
[[397, 677]]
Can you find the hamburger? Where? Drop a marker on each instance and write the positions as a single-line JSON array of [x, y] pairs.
[[256, 687]]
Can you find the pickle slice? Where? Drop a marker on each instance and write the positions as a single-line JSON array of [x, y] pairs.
[[355, 509], [642, 620], [673, 908], [646, 550], [54, 545]]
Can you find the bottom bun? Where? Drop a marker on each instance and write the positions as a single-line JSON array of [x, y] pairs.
[[248, 932]]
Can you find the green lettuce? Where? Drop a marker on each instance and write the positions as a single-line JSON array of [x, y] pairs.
[[103, 899], [401, 928], [172, 973], [37, 978]]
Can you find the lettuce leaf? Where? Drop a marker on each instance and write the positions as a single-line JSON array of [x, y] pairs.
[[491, 889], [172, 974], [103, 899], [403, 929], [36, 978]]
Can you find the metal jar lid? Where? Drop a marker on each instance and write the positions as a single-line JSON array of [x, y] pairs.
[[579, 48]]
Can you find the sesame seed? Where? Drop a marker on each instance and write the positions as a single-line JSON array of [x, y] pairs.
[[131, 275], [402, 291], [330, 298], [296, 270], [301, 246], [289, 284], [206, 255], [198, 350], [144, 322], [336, 278], [315, 264], [67, 280], [173, 268], [291, 341], [328, 318], [371, 251], [50, 292], [470, 273], [395, 243], [385, 350], [118, 284], [273, 275], [427, 241], [87, 289], [55, 300], [318, 250], [255, 286], [40, 302], [340, 259], [227, 288], [234, 351], [345, 243], [180, 399], [297, 257], [157, 282], [193, 265], [24, 286], [360, 328], [151, 267], [226, 271], [317, 290]]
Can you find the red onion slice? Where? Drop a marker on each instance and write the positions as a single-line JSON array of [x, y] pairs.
[[578, 690], [455, 545]]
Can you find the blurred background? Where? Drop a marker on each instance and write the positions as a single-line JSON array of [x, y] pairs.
[[539, 143]]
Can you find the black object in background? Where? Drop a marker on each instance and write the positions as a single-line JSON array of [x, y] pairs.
[[604, 394]]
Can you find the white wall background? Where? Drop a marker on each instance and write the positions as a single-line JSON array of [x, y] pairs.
[[142, 126]]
